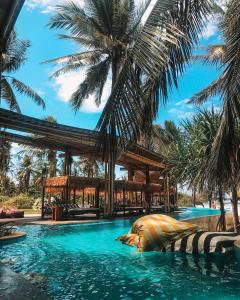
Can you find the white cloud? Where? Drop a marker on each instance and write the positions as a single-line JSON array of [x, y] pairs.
[[181, 114], [47, 6], [210, 30], [66, 84], [184, 103]]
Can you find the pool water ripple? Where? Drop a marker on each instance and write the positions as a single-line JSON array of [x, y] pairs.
[[85, 262]]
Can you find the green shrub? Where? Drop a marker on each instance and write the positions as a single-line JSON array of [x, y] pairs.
[[20, 201], [6, 229], [184, 200]]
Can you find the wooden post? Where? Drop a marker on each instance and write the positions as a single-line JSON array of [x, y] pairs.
[[130, 178], [74, 195], [97, 196], [166, 194], [43, 196], [111, 169], [106, 190], [124, 201], [148, 193], [83, 196]]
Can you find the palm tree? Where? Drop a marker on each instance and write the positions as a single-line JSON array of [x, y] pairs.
[[25, 171], [5, 160], [88, 168], [47, 158], [225, 151], [10, 61], [145, 60], [117, 41], [189, 157]]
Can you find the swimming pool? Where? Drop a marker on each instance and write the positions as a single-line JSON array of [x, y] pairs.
[[85, 262]]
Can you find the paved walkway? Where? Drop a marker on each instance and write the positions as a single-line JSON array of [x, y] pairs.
[[14, 287]]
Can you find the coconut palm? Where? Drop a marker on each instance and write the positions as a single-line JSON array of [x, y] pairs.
[[117, 42], [226, 146], [189, 157], [47, 157], [10, 61], [145, 60], [25, 171], [5, 160], [87, 167]]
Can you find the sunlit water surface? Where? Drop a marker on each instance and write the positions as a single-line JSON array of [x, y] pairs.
[[85, 262]]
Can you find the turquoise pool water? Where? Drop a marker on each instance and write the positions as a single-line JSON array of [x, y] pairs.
[[85, 262]]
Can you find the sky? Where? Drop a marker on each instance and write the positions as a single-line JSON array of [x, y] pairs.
[[32, 25]]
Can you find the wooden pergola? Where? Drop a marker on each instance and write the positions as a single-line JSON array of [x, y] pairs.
[[74, 141]]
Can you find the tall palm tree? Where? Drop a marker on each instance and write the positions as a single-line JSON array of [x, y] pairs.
[[106, 30], [153, 54], [25, 171], [89, 168], [46, 157], [5, 160], [10, 61], [145, 59], [189, 157], [226, 146]]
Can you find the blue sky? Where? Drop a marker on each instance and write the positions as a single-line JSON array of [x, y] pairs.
[[32, 25]]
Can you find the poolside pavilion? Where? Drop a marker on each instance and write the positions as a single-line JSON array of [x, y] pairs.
[[147, 185], [146, 188]]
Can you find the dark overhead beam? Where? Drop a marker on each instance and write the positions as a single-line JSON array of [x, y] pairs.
[[9, 12]]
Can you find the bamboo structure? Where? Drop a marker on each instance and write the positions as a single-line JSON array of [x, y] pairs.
[[74, 141]]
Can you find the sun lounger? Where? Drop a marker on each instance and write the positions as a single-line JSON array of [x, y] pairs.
[[74, 211], [129, 209]]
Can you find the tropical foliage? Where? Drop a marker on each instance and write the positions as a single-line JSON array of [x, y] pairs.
[[225, 150], [145, 58], [10, 61]]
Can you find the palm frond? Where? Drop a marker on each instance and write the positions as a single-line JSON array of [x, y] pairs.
[[161, 50], [26, 90], [93, 83], [15, 54], [214, 88], [72, 17], [8, 95], [214, 55]]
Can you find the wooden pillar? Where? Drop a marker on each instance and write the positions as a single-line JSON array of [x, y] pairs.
[[74, 195], [124, 201], [83, 196], [166, 194], [106, 190], [130, 178], [111, 170], [97, 196], [67, 163], [43, 196], [148, 193]]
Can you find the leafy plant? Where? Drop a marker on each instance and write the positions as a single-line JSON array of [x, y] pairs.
[[6, 229]]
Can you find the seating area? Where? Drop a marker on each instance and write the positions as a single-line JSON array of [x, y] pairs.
[[81, 196], [11, 213]]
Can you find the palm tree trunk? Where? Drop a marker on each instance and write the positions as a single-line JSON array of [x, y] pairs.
[[222, 220], [235, 209], [111, 149], [194, 196], [210, 198]]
